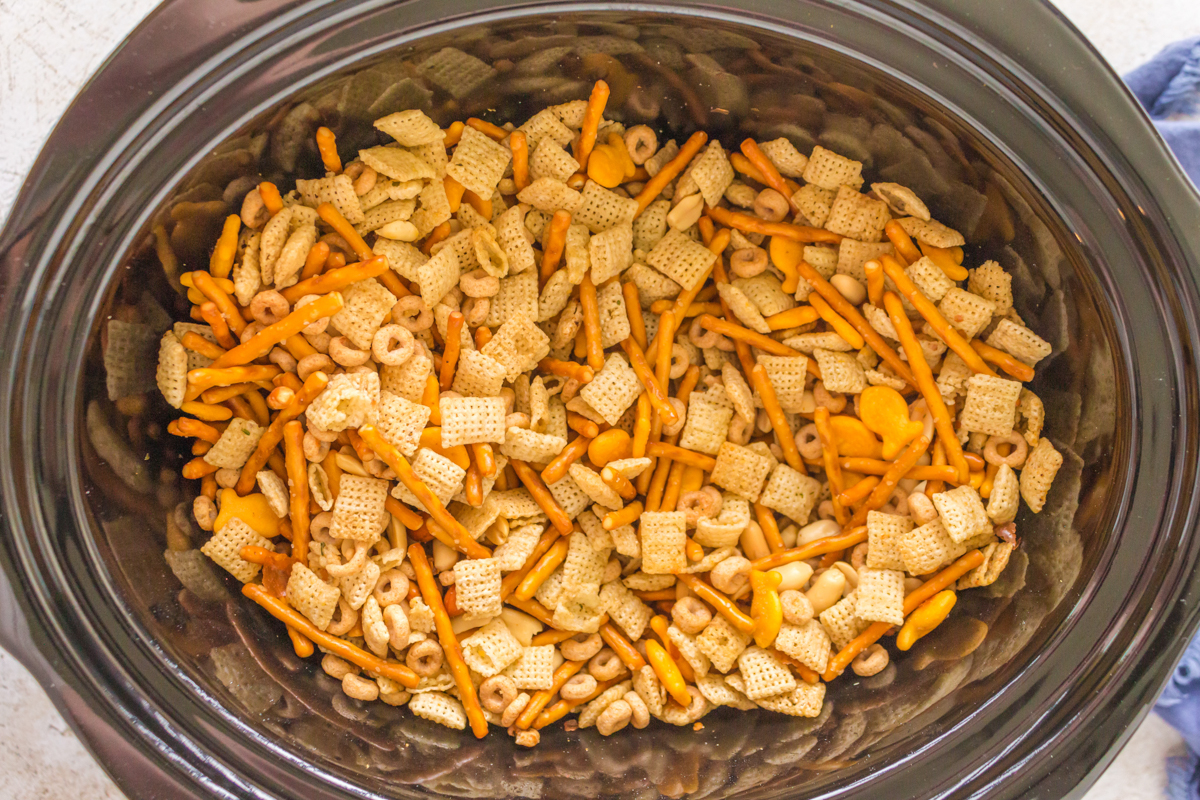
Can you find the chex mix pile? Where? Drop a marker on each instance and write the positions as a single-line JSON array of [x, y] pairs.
[[520, 423]]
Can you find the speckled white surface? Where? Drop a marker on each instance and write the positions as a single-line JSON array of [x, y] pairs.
[[48, 48]]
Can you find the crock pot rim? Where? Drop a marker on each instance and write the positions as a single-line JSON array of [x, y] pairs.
[[1152, 160]]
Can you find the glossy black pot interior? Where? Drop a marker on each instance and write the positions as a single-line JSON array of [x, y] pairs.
[[192, 692]]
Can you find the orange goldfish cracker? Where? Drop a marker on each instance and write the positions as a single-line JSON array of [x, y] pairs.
[[448, 639]]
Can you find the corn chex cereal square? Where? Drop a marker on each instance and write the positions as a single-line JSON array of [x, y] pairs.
[[853, 255], [727, 527], [1005, 498], [401, 421], [491, 648], [335, 189], [610, 252], [570, 498], [614, 316], [358, 512], [534, 669], [171, 375], [357, 586], [625, 609], [548, 195], [990, 281], [741, 470], [456, 72], [1022, 343], [663, 535], [385, 213], [722, 643], [590, 482], [962, 513], [546, 124], [791, 493], [829, 170], [991, 405], [601, 209], [841, 622], [236, 444], [652, 285], [478, 162], [434, 208], [519, 345], [808, 643], [967, 312], [614, 389], [411, 127], [518, 296], [840, 372], [225, 548], [396, 163], [766, 292], [928, 548], [1041, 466], [472, 420], [477, 592], [706, 425], [803, 701], [880, 595], [438, 275], [783, 154], [443, 477], [439, 707], [681, 259], [549, 160], [513, 554], [883, 539], [403, 258], [763, 674], [532, 447], [930, 279], [407, 380], [857, 216], [368, 304], [510, 235], [478, 375], [787, 375], [712, 172], [580, 613], [583, 567], [311, 596], [651, 225], [814, 203], [931, 232], [742, 308]]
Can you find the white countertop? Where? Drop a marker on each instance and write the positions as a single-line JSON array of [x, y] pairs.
[[48, 48]]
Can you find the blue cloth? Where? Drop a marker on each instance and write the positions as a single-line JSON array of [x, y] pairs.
[[1168, 87]]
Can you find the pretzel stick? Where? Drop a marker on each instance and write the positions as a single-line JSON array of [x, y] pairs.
[[261, 343], [792, 318], [874, 272], [567, 369], [563, 707], [837, 665], [1017, 369], [843, 328], [770, 528], [485, 458], [859, 491], [641, 426], [591, 322], [556, 469], [542, 496], [948, 333], [751, 224], [633, 309], [334, 219], [829, 455], [887, 484], [220, 329], [438, 234], [873, 466], [204, 378], [770, 175], [313, 386], [481, 204], [197, 468], [670, 171], [223, 254], [542, 570], [591, 125], [618, 483], [626, 515], [925, 383], [206, 412], [556, 241], [849, 313], [743, 165], [229, 310], [724, 606], [194, 428], [534, 609], [279, 609], [783, 431], [520, 158], [582, 425], [454, 326], [405, 515], [267, 558], [327, 147], [513, 579], [687, 298], [739, 332], [463, 540], [820, 547], [314, 262], [452, 134], [222, 393], [270, 197], [336, 279], [538, 701], [620, 645], [297, 472], [945, 262], [675, 453], [449, 641], [654, 390], [902, 242], [494, 132]]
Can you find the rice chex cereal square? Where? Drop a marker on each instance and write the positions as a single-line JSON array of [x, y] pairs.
[[741, 470], [663, 535], [613, 389], [681, 259], [472, 420]]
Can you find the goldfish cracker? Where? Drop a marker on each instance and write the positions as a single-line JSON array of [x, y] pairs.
[[883, 411]]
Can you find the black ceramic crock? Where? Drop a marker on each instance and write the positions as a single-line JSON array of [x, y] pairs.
[[1000, 114]]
